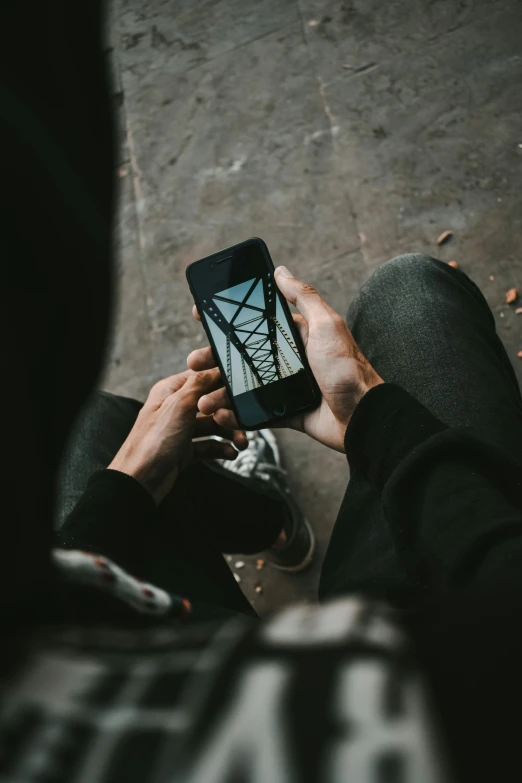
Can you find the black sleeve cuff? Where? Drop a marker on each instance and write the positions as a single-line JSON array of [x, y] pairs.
[[387, 425], [110, 518]]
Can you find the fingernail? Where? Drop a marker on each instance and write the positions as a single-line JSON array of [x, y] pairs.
[[284, 272]]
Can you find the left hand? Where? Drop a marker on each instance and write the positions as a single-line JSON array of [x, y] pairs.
[[160, 444]]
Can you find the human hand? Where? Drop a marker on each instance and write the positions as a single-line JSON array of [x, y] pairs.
[[342, 372], [160, 444]]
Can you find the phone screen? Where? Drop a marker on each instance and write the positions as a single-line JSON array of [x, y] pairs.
[[252, 334]]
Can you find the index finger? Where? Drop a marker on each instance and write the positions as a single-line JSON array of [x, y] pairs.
[[197, 385], [167, 386], [201, 359], [200, 383]]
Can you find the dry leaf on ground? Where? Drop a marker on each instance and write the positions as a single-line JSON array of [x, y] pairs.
[[444, 237], [518, 311], [519, 354], [511, 296], [260, 564], [453, 264]]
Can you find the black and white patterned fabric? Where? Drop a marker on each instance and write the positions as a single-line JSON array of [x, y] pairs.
[[315, 693]]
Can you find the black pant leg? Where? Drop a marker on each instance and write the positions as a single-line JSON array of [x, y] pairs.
[[241, 515], [426, 327]]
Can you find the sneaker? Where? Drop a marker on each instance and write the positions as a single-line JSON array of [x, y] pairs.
[[261, 461]]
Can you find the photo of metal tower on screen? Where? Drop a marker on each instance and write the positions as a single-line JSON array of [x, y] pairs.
[[252, 335]]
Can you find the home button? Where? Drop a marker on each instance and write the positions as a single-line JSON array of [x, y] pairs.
[[279, 411]]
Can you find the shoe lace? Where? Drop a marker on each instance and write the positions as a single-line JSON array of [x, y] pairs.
[[267, 471], [250, 463]]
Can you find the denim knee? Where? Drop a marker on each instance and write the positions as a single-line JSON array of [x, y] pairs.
[[400, 273], [404, 271], [408, 264]]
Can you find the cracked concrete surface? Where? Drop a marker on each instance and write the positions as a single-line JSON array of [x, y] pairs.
[[343, 132]]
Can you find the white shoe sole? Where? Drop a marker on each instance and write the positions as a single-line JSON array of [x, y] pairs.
[[306, 562]]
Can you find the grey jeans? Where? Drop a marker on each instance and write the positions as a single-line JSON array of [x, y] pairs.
[[426, 327]]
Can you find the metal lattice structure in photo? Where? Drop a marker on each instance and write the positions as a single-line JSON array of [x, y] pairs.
[[252, 335]]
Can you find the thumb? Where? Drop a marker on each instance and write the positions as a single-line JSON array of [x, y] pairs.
[[302, 295]]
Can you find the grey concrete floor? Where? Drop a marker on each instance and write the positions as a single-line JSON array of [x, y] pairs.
[[343, 133]]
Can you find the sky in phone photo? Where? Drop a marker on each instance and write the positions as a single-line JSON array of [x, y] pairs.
[[243, 319]]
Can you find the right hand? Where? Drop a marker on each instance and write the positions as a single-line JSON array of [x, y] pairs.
[[342, 372]]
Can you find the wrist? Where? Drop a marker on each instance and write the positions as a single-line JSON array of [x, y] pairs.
[[359, 393], [147, 475]]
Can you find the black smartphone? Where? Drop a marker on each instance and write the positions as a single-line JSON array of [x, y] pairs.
[[252, 334]]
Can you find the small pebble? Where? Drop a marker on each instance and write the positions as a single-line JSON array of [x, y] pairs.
[[502, 315], [519, 354], [518, 311], [239, 564], [260, 564], [237, 577], [444, 237], [259, 589], [453, 264], [492, 277]]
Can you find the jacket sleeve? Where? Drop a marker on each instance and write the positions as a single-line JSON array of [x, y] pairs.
[[111, 518], [452, 500]]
